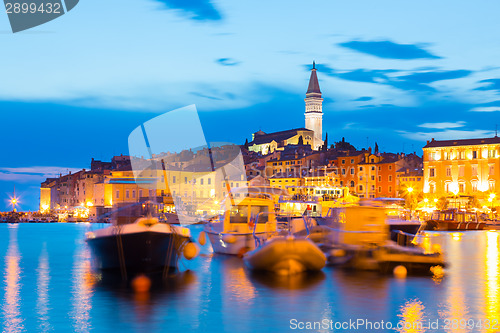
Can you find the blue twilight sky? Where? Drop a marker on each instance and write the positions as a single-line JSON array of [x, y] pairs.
[[394, 72]]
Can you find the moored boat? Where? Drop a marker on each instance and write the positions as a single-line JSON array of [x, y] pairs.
[[454, 219]]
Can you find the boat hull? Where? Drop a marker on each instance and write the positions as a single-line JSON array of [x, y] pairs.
[[286, 256], [233, 243], [453, 225], [138, 250]]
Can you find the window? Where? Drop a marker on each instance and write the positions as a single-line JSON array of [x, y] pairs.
[[373, 177], [491, 185], [461, 169], [117, 194], [379, 168], [447, 187], [448, 171], [379, 189], [360, 188], [360, 168], [432, 188], [474, 170], [390, 178], [372, 160], [492, 153], [360, 177], [351, 184], [185, 180], [373, 188], [432, 172], [127, 194], [343, 161], [343, 171], [352, 160], [446, 155], [352, 171], [474, 154], [140, 193], [492, 169], [341, 183], [461, 155], [474, 186], [173, 179], [379, 178], [373, 168], [461, 187], [133, 194], [201, 181], [390, 188], [390, 167]]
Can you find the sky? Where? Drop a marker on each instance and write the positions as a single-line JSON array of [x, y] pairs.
[[393, 72]]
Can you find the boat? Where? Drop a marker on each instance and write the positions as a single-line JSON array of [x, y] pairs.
[[453, 220], [233, 232], [144, 246], [286, 253], [360, 238]]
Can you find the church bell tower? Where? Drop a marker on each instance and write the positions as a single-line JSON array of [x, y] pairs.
[[314, 109]]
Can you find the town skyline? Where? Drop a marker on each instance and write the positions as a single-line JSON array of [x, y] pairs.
[[397, 87]]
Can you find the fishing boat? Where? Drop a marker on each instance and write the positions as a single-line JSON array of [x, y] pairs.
[[454, 219], [233, 232], [144, 246]]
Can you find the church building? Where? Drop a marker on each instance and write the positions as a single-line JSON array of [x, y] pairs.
[[312, 134]]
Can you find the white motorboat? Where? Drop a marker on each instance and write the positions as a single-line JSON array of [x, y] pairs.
[[233, 232]]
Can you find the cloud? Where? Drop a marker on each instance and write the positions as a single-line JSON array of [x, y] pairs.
[[389, 50], [363, 99], [447, 135], [418, 80], [490, 84], [486, 109], [227, 62], [201, 10], [443, 125], [32, 174]]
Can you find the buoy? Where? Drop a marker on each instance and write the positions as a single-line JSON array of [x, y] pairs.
[[400, 272], [230, 239], [190, 250], [141, 284], [202, 238], [337, 253]]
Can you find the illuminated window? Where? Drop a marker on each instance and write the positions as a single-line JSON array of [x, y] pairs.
[[474, 186], [461, 187], [491, 185], [446, 155], [432, 188], [492, 153], [447, 187], [461, 155]]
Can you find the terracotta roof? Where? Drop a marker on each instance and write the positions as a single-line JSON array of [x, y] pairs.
[[464, 142], [277, 136]]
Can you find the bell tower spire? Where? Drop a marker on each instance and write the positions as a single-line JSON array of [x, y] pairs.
[[314, 108]]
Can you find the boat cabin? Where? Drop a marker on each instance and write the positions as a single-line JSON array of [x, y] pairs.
[[240, 217], [454, 215]]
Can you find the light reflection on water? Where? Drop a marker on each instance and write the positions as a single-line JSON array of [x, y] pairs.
[[217, 293], [12, 318]]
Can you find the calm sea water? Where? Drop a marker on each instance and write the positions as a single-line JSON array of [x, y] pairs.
[[47, 286]]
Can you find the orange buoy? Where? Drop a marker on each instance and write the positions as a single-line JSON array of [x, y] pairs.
[[202, 238], [141, 284]]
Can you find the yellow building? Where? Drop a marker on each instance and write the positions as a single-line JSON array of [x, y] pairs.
[[462, 167], [289, 182]]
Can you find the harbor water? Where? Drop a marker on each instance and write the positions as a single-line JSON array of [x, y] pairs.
[[47, 285]]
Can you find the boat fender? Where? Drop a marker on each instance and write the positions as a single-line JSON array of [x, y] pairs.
[[202, 238], [191, 250], [230, 239], [242, 251]]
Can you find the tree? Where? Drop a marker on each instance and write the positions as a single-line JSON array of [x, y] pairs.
[[325, 145], [246, 144]]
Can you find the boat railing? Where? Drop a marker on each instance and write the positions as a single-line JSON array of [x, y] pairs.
[[254, 221]]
